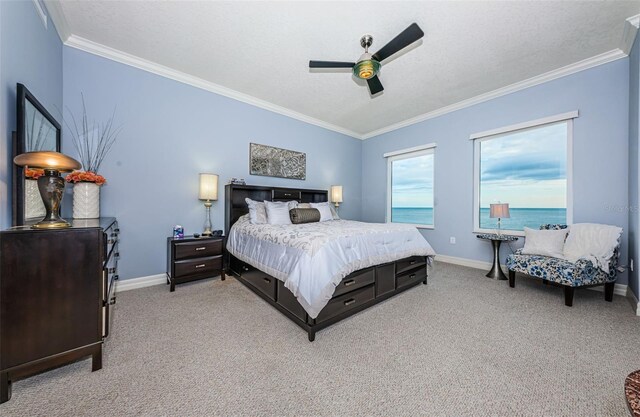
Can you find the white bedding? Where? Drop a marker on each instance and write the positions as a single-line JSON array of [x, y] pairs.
[[311, 259]]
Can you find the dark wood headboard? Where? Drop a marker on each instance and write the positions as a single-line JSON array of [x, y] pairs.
[[235, 206]]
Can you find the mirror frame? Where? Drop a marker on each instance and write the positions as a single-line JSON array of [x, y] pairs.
[[19, 143]]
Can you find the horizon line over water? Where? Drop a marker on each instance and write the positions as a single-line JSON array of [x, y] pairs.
[[521, 217]]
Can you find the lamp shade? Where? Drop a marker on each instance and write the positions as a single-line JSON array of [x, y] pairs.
[[336, 193], [47, 160], [208, 187], [499, 210]]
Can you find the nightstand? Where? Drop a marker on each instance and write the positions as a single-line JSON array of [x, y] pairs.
[[189, 259], [496, 270]]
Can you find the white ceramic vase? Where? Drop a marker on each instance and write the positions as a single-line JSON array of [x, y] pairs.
[[33, 205], [86, 200]]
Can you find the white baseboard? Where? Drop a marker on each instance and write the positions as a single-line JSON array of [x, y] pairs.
[[635, 304], [141, 282], [619, 289]]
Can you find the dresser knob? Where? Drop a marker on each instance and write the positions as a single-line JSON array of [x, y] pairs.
[[200, 266], [201, 248], [350, 282], [112, 301], [350, 301], [116, 277]]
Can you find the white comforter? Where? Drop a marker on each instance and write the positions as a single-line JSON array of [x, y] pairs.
[[311, 259]]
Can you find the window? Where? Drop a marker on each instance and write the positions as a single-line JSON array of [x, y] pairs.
[[410, 186], [527, 166]]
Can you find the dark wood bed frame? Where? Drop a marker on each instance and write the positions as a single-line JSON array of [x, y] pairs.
[[356, 292]]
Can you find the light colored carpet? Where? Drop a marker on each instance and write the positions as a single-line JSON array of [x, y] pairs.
[[464, 345]]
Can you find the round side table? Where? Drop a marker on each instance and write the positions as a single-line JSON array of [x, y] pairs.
[[496, 240], [632, 392]]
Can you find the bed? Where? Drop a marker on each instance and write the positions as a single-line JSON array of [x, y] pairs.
[[319, 273]]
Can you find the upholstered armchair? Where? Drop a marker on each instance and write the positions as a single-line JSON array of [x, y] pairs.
[[582, 273]]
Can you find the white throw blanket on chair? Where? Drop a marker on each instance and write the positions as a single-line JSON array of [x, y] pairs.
[[594, 242]]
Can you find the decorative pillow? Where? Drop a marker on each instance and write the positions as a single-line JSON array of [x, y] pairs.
[[257, 211], [304, 205], [595, 242], [544, 242], [304, 215], [324, 209], [278, 212]]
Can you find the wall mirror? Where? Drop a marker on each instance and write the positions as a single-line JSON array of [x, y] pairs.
[[37, 130]]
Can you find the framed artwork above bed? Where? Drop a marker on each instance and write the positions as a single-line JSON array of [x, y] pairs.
[[269, 161]]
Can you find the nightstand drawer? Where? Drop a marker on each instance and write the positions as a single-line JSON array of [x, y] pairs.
[[198, 266], [186, 250]]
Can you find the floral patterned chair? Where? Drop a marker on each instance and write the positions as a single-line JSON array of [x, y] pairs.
[[582, 273]]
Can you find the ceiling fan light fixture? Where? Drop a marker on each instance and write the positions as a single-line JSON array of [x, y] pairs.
[[367, 68]]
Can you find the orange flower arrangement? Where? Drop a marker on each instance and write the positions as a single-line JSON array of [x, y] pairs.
[[33, 173], [85, 176]]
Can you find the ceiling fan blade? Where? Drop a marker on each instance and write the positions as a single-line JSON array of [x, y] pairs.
[[404, 39], [375, 86], [330, 64]]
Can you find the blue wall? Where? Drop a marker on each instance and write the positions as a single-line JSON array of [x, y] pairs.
[[171, 132], [634, 138], [31, 55], [600, 144]]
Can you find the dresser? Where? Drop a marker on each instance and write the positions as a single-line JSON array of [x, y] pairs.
[[191, 258], [56, 290]]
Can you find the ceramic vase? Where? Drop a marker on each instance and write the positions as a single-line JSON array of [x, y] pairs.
[[86, 200], [33, 205]]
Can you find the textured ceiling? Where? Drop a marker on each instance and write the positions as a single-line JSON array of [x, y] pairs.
[[262, 49]]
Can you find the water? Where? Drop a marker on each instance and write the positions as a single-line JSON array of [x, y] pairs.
[[520, 217]]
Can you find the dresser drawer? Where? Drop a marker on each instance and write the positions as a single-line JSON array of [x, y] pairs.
[[411, 277], [286, 195], [186, 250], [346, 302], [200, 266], [263, 282], [408, 264], [355, 280]]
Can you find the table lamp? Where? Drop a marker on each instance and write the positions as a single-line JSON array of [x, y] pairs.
[[336, 194], [51, 184], [499, 211], [208, 192]]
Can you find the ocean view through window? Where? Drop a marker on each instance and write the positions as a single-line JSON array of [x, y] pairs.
[[526, 168], [411, 188]]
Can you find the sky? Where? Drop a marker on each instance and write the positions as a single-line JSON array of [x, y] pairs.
[[526, 169]]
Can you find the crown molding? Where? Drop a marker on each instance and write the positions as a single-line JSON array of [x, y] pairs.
[[59, 20], [629, 33], [539, 79], [149, 66]]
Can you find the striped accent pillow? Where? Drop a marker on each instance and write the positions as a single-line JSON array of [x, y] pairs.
[[304, 215]]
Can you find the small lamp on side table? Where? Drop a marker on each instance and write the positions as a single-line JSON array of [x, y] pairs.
[[499, 211], [208, 192]]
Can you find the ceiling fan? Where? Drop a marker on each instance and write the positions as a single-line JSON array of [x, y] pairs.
[[368, 66]]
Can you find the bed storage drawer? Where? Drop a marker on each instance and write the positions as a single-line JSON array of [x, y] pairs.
[[411, 277], [346, 302], [408, 264], [287, 300], [264, 283], [198, 266], [355, 280], [186, 250]]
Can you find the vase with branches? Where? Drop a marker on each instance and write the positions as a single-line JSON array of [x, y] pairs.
[[92, 141]]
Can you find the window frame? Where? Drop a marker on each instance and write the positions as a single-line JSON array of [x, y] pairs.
[[429, 149], [492, 134]]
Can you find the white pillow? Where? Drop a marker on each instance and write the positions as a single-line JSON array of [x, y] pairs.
[[257, 211], [595, 242], [544, 242], [325, 211], [278, 212]]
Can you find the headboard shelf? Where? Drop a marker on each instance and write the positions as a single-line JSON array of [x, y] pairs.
[[235, 205]]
